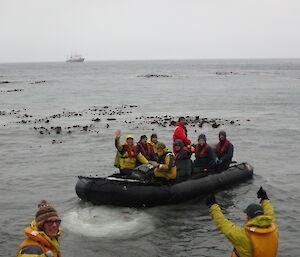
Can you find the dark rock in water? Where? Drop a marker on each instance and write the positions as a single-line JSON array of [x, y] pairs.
[[69, 132], [38, 82], [13, 90], [111, 118], [105, 107], [85, 128], [107, 125], [58, 130], [227, 73], [97, 119], [155, 76], [172, 123], [133, 106], [5, 82], [215, 125]]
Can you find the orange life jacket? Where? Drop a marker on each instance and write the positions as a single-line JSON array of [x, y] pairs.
[[264, 241], [34, 238]]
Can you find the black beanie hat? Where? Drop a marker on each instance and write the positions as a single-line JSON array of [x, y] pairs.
[[153, 136], [178, 142], [202, 136], [143, 136], [222, 132]]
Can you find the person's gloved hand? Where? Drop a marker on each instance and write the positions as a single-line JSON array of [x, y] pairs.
[[262, 194], [217, 160], [210, 200]]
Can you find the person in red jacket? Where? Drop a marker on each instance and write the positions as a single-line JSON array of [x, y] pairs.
[[180, 132]]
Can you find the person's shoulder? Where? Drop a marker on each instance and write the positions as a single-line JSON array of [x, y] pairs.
[[32, 249]]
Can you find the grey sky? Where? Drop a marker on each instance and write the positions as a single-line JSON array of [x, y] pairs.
[[49, 30]]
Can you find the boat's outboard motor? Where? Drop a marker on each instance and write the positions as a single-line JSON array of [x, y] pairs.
[[143, 173]]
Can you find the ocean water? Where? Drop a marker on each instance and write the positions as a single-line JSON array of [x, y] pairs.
[[255, 101]]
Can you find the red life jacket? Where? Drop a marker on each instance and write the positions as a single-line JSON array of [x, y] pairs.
[[148, 151], [177, 154], [221, 148], [199, 153], [132, 153]]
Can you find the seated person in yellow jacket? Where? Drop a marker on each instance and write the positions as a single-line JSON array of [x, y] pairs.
[[42, 235], [259, 237], [127, 154], [165, 165], [153, 141]]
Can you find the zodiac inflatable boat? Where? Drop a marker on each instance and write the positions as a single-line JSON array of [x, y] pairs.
[[119, 191]]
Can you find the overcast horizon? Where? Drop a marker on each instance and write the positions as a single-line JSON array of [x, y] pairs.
[[50, 31]]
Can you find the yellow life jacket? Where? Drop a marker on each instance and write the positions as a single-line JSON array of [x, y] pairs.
[[40, 239], [264, 241]]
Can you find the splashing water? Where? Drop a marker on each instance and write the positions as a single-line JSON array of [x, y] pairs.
[[108, 222]]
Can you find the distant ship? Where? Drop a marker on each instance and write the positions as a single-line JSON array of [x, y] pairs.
[[75, 58]]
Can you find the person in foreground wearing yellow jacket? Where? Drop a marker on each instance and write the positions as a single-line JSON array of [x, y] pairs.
[[259, 237], [42, 234]]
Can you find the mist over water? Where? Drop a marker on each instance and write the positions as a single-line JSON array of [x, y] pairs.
[[261, 96]]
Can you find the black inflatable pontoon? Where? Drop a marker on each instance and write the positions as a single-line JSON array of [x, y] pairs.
[[133, 193]]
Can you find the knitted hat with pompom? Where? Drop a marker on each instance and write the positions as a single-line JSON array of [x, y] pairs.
[[44, 212]]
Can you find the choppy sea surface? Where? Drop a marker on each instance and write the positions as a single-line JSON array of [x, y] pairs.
[[257, 102]]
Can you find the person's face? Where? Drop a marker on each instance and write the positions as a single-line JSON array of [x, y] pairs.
[[177, 148], [129, 141], [221, 137], [51, 226], [144, 140], [183, 122], [160, 150], [201, 141], [154, 140]]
